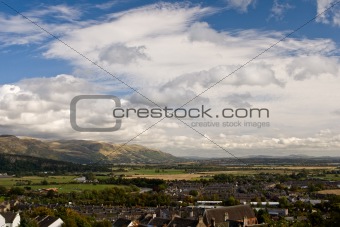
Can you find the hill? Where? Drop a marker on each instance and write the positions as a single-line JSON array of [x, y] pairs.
[[83, 151], [13, 164]]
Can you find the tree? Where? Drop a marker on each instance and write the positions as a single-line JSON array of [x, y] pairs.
[[3, 190], [263, 216], [27, 221], [316, 219], [16, 191], [283, 202], [231, 201], [42, 211], [44, 182], [90, 176], [102, 224], [193, 193]]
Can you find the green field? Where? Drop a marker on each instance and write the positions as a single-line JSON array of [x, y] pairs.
[[15, 181], [63, 183]]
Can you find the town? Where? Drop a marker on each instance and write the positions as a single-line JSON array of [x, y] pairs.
[[155, 196]]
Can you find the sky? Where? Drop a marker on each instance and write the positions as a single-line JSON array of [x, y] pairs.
[[278, 55]]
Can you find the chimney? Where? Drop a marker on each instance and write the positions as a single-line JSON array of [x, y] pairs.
[[226, 216], [200, 219], [245, 221]]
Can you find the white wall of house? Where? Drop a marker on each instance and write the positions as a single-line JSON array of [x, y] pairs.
[[16, 221], [2, 221]]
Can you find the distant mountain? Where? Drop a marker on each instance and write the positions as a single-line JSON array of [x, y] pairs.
[[83, 151]]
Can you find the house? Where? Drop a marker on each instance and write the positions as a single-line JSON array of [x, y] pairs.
[[240, 215], [274, 211], [159, 222], [50, 189], [122, 222], [80, 179], [49, 221], [5, 206], [183, 222], [2, 221], [11, 219]]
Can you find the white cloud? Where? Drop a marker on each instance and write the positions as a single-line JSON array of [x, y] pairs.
[[62, 12], [16, 30], [107, 5], [241, 5], [279, 9], [305, 67], [121, 54], [171, 62], [332, 16]]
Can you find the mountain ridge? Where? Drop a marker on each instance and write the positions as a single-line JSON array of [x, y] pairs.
[[83, 151]]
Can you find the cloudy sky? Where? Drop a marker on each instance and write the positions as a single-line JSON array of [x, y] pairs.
[[226, 54]]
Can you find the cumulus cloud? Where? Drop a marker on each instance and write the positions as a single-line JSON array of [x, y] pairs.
[[40, 105], [164, 96], [255, 74], [121, 54], [171, 62], [305, 67]]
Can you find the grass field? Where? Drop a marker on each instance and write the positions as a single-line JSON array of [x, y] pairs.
[[61, 182], [14, 181], [331, 191]]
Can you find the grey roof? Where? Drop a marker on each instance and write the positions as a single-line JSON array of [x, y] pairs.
[[122, 222], [183, 222], [234, 213], [159, 222], [45, 221], [9, 216], [144, 220]]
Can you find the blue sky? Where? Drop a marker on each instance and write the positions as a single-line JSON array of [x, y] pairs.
[[172, 51]]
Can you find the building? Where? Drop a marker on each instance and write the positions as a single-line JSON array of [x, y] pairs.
[[122, 222], [49, 221], [80, 179], [11, 219], [183, 222], [2, 221], [274, 211], [159, 222], [240, 215]]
